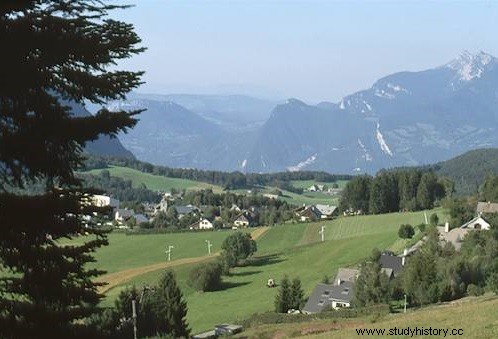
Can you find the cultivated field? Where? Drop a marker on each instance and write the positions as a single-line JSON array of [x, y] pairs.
[[292, 249]]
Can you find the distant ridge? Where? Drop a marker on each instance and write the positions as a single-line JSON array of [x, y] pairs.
[[104, 145], [403, 119]]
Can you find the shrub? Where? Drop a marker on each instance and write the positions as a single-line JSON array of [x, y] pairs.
[[475, 290], [421, 228], [206, 277], [406, 231], [434, 219]]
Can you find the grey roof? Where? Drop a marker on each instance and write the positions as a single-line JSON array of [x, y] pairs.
[[393, 262], [125, 213], [205, 335], [139, 218], [323, 295], [327, 210], [185, 209], [487, 207]]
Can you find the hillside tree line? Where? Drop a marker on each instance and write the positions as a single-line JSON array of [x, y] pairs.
[[395, 190]]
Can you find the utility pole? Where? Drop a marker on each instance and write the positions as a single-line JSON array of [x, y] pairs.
[[209, 246], [134, 309], [134, 315], [169, 252], [322, 232], [425, 215], [405, 303]]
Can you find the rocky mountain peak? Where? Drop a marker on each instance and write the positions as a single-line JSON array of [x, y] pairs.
[[470, 66]]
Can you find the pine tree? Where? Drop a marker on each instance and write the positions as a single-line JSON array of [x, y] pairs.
[[167, 310], [297, 294], [283, 299], [55, 56]]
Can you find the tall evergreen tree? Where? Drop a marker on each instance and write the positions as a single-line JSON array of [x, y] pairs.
[[167, 310], [297, 294], [56, 55], [283, 299]]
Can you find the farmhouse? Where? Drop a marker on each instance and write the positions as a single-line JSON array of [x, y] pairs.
[[455, 236], [478, 223], [309, 213], [486, 207], [327, 211], [245, 219]]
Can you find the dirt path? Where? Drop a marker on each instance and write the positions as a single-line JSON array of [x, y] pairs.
[[117, 278]]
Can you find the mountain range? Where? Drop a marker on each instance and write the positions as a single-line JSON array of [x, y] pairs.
[[404, 119]]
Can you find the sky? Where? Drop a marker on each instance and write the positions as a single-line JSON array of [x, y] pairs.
[[311, 50]]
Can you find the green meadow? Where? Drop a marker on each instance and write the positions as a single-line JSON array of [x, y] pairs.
[[154, 182], [292, 249]]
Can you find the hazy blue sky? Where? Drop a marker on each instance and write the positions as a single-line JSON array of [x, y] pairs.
[[312, 50]]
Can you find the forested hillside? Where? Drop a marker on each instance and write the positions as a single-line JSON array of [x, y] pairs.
[[469, 170]]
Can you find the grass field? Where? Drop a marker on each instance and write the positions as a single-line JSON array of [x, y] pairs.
[[154, 182], [477, 317], [293, 249]]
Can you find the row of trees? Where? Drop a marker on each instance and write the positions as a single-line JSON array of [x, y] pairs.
[[119, 188], [391, 191], [290, 295], [231, 180]]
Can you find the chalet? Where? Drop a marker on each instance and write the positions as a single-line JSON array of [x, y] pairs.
[[456, 235], [486, 207], [478, 223], [206, 224], [326, 296], [309, 213], [242, 221], [327, 211], [245, 219]]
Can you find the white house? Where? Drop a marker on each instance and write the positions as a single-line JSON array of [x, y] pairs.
[[122, 215], [104, 201], [477, 223], [205, 224]]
